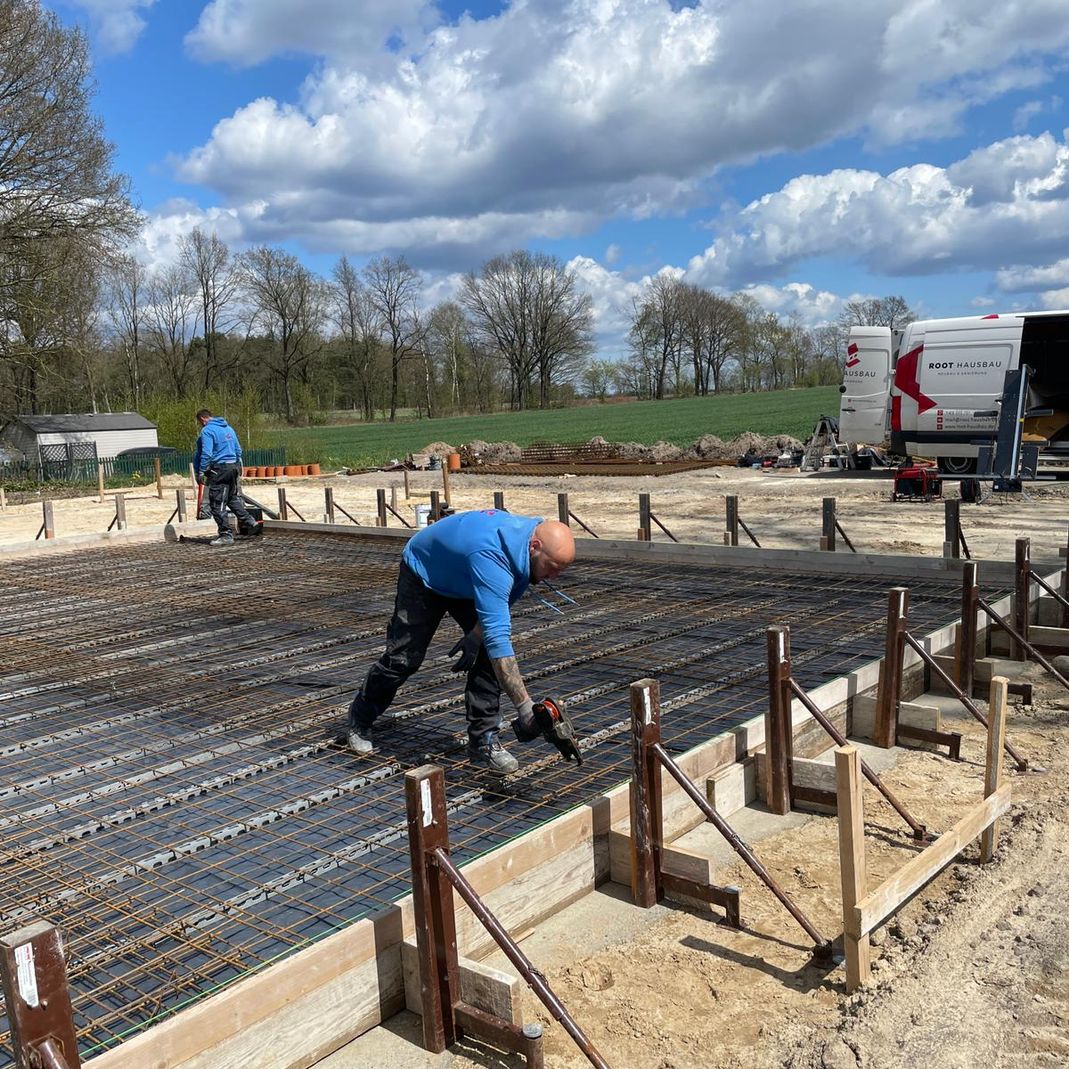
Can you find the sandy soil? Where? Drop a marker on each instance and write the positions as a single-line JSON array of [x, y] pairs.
[[783, 509]]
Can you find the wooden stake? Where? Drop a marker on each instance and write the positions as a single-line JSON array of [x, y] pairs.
[[283, 509], [49, 518], [885, 730], [3, 500], [380, 507], [827, 538], [499, 500], [393, 496], [996, 733], [100, 480], [966, 643], [563, 510], [436, 507], [193, 479], [951, 526], [120, 512], [853, 871], [328, 503], [779, 739], [159, 477], [1022, 599], [445, 482], [180, 504], [731, 537], [405, 476], [645, 531], [647, 831]]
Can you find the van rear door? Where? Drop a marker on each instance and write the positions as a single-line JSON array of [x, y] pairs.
[[866, 385]]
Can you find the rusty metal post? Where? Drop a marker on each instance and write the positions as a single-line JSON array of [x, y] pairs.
[[432, 900], [37, 999], [731, 536], [563, 510], [779, 734], [951, 528], [1065, 585], [180, 504], [647, 886], [328, 503], [283, 508], [645, 532], [970, 607], [48, 518], [1022, 597], [436, 507], [499, 500], [380, 508], [885, 730], [827, 537]]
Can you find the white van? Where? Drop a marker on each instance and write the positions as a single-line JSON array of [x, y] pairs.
[[935, 387]]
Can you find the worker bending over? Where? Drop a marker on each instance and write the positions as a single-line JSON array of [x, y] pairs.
[[473, 566]]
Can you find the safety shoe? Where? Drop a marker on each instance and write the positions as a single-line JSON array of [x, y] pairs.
[[222, 540], [359, 740], [488, 751]]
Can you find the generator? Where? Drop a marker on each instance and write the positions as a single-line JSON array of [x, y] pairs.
[[917, 483]]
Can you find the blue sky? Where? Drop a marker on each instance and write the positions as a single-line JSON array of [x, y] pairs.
[[807, 152]]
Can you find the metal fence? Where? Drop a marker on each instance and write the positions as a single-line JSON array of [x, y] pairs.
[[73, 467]]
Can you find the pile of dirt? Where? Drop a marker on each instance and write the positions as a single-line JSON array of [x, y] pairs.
[[437, 449], [480, 452], [707, 447]]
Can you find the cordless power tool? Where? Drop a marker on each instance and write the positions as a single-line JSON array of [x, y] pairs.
[[553, 723]]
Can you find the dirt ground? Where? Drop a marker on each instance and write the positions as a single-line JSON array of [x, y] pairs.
[[973, 972], [782, 508]]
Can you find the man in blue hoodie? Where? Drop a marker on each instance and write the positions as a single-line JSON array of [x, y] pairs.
[[473, 566], [217, 463]]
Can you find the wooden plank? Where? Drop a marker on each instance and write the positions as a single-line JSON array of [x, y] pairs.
[[996, 736], [482, 986], [853, 872], [912, 714], [1054, 638], [879, 904]]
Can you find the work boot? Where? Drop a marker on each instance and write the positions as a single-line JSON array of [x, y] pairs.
[[488, 751], [252, 530], [223, 540], [359, 740]]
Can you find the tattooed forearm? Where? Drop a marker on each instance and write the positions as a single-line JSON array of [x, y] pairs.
[[508, 675]]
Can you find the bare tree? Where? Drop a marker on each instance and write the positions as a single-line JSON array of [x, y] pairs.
[[171, 320], [394, 289], [358, 321], [206, 259], [447, 331], [893, 312], [529, 307], [126, 312], [658, 318], [287, 303]]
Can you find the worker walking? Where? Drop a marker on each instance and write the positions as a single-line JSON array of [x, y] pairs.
[[473, 566], [217, 463]]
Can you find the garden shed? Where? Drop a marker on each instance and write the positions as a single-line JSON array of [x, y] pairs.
[[77, 436]]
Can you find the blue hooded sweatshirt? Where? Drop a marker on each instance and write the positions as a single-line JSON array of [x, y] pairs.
[[217, 443], [478, 556]]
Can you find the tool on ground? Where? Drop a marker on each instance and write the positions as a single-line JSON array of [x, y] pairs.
[[553, 723], [560, 594]]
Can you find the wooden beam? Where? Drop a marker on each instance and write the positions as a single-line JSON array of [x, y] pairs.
[[879, 904], [486, 988], [996, 735], [853, 872]]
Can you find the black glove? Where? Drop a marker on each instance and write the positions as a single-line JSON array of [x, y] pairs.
[[202, 478], [551, 722], [468, 648]]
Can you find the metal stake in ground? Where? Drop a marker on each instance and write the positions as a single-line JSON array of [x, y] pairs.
[[827, 536], [645, 532], [778, 728], [967, 629], [885, 730]]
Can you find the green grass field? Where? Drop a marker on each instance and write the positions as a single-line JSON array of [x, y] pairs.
[[680, 421]]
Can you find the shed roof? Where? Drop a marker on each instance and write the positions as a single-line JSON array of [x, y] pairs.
[[68, 422]]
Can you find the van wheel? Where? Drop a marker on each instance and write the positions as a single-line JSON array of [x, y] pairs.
[[957, 465]]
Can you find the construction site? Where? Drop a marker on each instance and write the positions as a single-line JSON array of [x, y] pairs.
[[820, 818]]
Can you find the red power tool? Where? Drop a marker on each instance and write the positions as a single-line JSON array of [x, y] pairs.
[[553, 723]]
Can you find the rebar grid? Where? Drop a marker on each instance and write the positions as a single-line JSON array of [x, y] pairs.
[[173, 798]]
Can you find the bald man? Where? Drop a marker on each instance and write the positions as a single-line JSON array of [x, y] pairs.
[[473, 566]]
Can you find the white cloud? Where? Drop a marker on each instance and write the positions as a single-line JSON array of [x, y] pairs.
[[570, 112], [244, 32], [798, 300], [1004, 204], [982, 302], [116, 24]]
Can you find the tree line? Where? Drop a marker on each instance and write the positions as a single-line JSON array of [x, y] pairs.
[[86, 325]]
